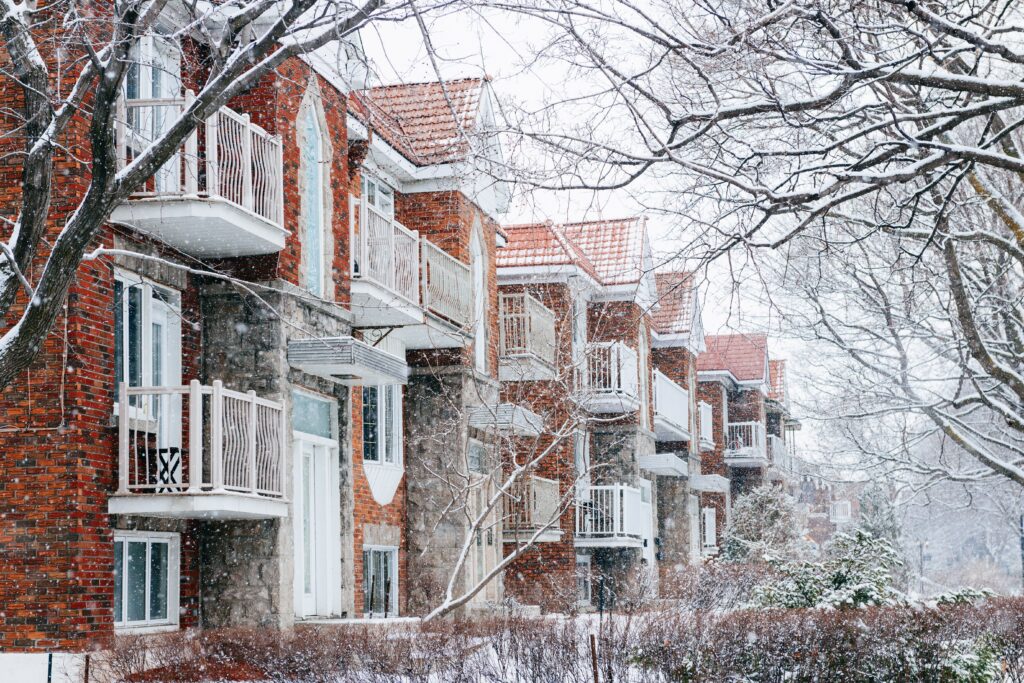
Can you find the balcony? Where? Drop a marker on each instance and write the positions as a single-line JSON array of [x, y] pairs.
[[447, 285], [535, 503], [707, 427], [613, 516], [199, 452], [671, 409], [610, 382], [527, 338], [385, 272], [779, 459], [220, 195], [745, 445]]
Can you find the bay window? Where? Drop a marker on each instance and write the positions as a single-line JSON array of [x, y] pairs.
[[382, 424]]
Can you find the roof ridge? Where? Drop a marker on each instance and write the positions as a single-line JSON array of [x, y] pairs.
[[460, 79]]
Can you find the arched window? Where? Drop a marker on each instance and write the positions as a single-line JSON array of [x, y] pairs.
[[479, 266], [313, 181]]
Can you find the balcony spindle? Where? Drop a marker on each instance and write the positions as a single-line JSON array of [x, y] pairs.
[[123, 427], [253, 421], [195, 436], [217, 435], [191, 152], [246, 134]]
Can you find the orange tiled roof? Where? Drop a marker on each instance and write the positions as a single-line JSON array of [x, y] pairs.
[[417, 119], [743, 355], [674, 314], [611, 251], [777, 380]]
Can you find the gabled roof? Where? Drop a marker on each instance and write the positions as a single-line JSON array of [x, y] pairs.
[[745, 356], [419, 120], [610, 251], [777, 380], [676, 303]]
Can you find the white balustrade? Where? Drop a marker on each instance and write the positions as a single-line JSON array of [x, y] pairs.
[[387, 253], [745, 440], [707, 423], [197, 439], [612, 369], [447, 284], [242, 163], [611, 511], [671, 402], [527, 327]]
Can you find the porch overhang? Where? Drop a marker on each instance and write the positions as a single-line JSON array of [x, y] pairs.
[[709, 483], [507, 418], [664, 464], [207, 505], [347, 361]]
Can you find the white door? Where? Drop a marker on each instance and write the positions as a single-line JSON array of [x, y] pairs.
[[317, 534]]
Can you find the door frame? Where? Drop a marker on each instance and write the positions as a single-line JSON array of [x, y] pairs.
[[326, 532]]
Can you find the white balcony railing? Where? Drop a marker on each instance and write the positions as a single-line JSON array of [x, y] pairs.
[[611, 377], [447, 284], [527, 327], [776, 450], [611, 514], [707, 424], [387, 253], [199, 439], [535, 503], [745, 440], [227, 157], [671, 408]]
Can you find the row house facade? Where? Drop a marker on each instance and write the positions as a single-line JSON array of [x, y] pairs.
[[264, 402], [604, 351], [744, 393]]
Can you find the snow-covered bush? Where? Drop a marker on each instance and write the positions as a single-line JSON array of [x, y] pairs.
[[856, 571], [762, 526]]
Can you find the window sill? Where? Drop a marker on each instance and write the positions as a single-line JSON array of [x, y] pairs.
[[145, 629]]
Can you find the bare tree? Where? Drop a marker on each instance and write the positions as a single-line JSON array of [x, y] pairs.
[[838, 121], [70, 82]]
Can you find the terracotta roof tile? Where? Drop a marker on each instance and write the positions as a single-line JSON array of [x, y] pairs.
[[777, 377], [743, 355], [611, 251], [674, 314], [417, 120]]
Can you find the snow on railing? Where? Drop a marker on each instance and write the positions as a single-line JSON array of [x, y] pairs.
[[611, 511], [527, 327], [387, 252], [612, 369], [447, 284], [745, 439], [199, 439], [707, 423], [671, 402], [241, 163]]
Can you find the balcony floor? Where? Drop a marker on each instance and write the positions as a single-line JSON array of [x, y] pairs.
[[212, 506], [746, 459], [585, 541], [202, 227], [374, 305]]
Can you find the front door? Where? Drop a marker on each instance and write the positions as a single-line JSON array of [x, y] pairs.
[[317, 538]]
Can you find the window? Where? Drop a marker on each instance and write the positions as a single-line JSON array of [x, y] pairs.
[[476, 456], [380, 581], [145, 579], [645, 377], [709, 518], [378, 196], [579, 339], [382, 424], [840, 511], [147, 334], [154, 74], [581, 460], [480, 297], [313, 164], [584, 580]]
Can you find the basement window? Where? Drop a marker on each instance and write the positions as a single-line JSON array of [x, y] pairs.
[[382, 424], [380, 582], [146, 571]]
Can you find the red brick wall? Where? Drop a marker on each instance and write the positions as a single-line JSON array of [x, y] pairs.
[[545, 575]]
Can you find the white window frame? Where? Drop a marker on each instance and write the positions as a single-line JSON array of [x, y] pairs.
[[379, 188], [318, 287], [384, 427], [581, 463], [709, 527], [482, 448], [393, 594], [584, 581], [171, 353], [154, 54], [481, 297], [173, 542], [841, 511]]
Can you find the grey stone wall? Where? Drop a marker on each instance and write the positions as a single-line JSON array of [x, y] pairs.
[[437, 404], [247, 568]]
